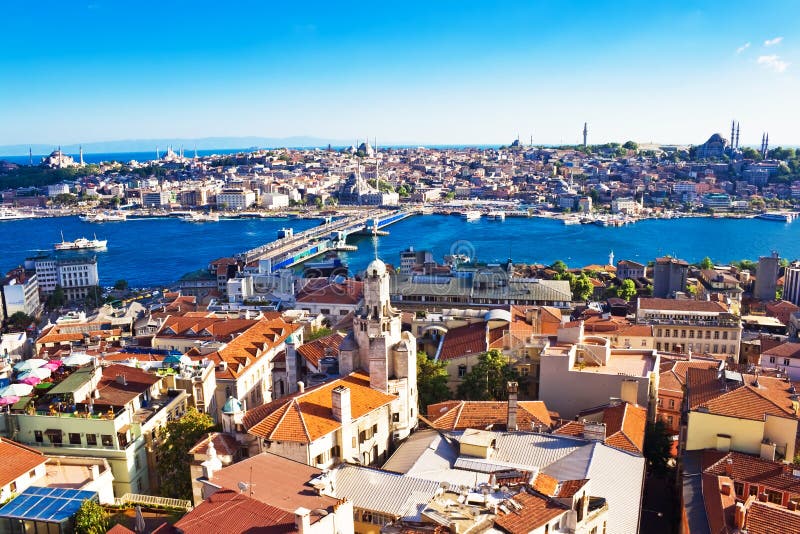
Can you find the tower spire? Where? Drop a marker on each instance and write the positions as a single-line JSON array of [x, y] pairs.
[[585, 132], [80, 149], [737, 135], [733, 133], [30, 156]]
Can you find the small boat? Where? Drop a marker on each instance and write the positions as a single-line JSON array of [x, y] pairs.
[[81, 244], [471, 215], [776, 216], [200, 217], [496, 216], [572, 220], [102, 217]]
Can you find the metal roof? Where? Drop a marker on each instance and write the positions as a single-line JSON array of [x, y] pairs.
[[53, 505]]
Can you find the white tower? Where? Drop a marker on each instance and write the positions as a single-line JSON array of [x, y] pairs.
[[611, 258]]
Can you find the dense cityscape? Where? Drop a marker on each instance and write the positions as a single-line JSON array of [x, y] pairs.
[[555, 290]]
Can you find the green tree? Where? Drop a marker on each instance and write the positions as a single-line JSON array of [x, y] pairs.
[[582, 287], [751, 153], [94, 296], [431, 382], [627, 289], [559, 266], [121, 285], [403, 191], [487, 379], [450, 196], [20, 320], [177, 437], [318, 333], [706, 263], [91, 518], [657, 447], [630, 145], [56, 299]]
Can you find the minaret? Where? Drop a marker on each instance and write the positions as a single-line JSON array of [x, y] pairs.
[[766, 146], [737, 135], [611, 258], [157, 156], [80, 149], [733, 134], [30, 156], [585, 132]]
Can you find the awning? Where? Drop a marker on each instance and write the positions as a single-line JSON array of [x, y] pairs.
[[53, 432], [124, 429]]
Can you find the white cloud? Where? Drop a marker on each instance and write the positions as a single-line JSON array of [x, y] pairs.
[[772, 42], [773, 62], [743, 48]]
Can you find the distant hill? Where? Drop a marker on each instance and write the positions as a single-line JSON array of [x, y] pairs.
[[145, 145]]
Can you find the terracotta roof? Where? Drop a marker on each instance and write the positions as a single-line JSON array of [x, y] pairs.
[[305, 417], [568, 488], [784, 350], [113, 392], [229, 512], [18, 460], [747, 401], [719, 507], [768, 518], [322, 291], [535, 511], [464, 339], [682, 305], [460, 415], [545, 484], [224, 444], [119, 529], [314, 351], [745, 468], [276, 481], [673, 373], [625, 426], [202, 328], [246, 348]]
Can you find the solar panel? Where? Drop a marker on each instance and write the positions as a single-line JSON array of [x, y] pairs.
[[46, 504]]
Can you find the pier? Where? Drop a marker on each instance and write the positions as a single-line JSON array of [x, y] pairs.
[[292, 249]]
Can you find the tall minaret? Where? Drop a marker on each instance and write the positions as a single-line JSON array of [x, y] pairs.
[[30, 156], [80, 149], [737, 135], [766, 146], [733, 134], [157, 156], [611, 258], [585, 132]]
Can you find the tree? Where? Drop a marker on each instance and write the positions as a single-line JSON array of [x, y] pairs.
[[751, 153], [487, 379], [318, 333], [706, 263], [582, 287], [559, 266], [57, 299], [630, 145], [627, 289], [94, 296], [177, 437], [20, 320], [431, 382], [450, 196], [91, 518], [657, 447], [121, 285]]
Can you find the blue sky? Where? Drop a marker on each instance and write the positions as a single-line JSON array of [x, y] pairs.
[[422, 72]]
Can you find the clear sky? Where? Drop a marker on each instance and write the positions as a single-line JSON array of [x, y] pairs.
[[424, 72]]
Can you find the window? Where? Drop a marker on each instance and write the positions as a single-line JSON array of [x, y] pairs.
[[74, 439], [716, 334], [670, 420], [395, 417], [775, 497], [672, 403], [666, 333], [107, 440], [658, 345], [738, 488], [683, 333], [725, 335], [658, 402], [708, 334], [716, 348], [91, 440], [56, 438], [753, 490], [772, 359], [691, 334], [37, 435], [462, 371], [786, 362]]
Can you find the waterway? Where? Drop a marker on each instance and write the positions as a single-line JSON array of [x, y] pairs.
[[149, 252]]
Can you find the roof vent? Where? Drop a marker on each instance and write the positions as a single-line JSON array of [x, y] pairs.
[[121, 379]]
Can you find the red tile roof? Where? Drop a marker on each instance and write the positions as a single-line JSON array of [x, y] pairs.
[[229, 512], [113, 392], [305, 417], [746, 468], [314, 351], [535, 511], [202, 328], [682, 305], [784, 350], [18, 460], [625, 426], [246, 348], [460, 415], [463, 340], [322, 291], [767, 518]]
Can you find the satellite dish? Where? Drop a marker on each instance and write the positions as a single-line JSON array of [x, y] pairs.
[[504, 489], [444, 485], [243, 486]]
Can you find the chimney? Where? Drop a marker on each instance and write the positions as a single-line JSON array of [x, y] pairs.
[[511, 422], [739, 515], [302, 520], [341, 404], [94, 471], [594, 431], [729, 467], [301, 387], [762, 497], [122, 380], [629, 391]]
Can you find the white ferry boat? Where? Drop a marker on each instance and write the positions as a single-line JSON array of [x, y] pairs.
[[81, 244], [200, 217], [471, 215], [572, 220], [102, 217], [10, 214], [777, 216], [496, 216]]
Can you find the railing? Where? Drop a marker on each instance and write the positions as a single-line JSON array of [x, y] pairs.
[[151, 500]]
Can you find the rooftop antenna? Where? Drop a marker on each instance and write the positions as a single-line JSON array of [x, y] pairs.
[[30, 156]]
